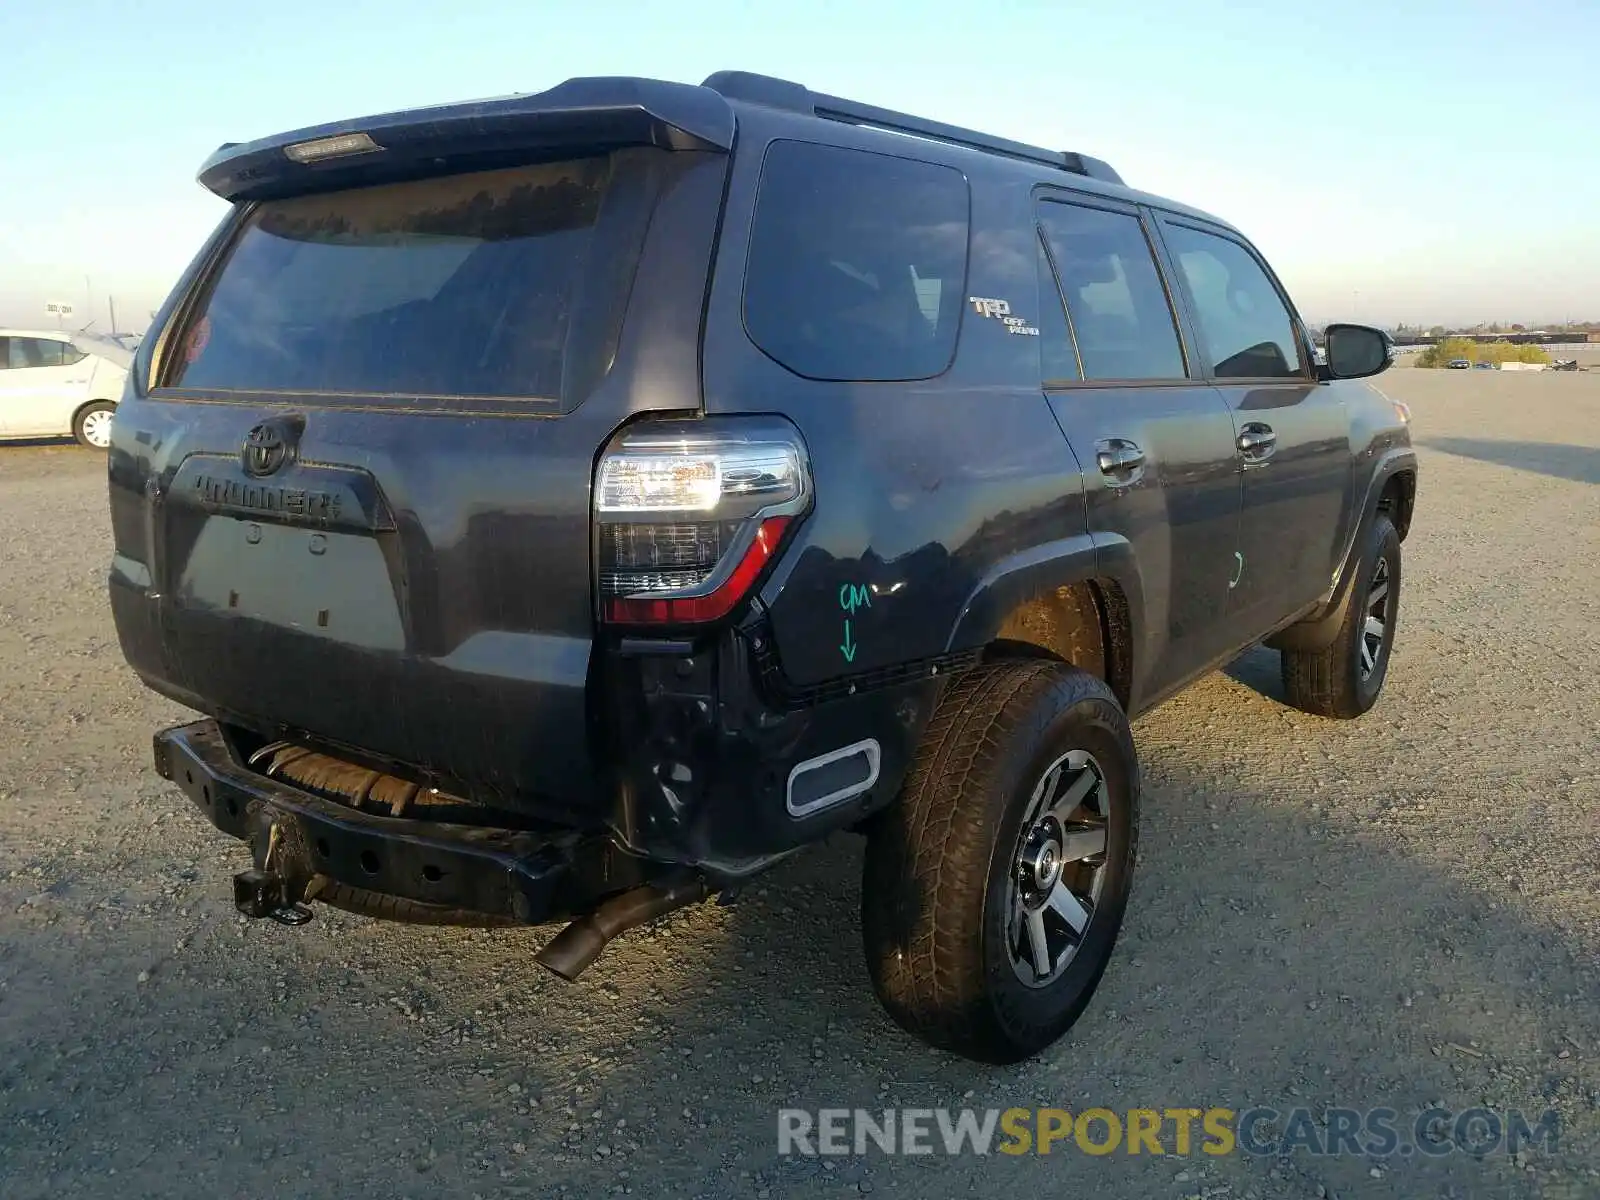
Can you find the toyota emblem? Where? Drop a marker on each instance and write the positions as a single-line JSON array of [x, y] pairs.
[[265, 449]]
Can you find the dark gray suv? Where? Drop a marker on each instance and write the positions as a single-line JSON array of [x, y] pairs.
[[565, 507]]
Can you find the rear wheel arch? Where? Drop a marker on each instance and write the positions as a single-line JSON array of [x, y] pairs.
[[1085, 624]]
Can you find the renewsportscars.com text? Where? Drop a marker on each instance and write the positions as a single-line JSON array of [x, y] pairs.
[[1260, 1131]]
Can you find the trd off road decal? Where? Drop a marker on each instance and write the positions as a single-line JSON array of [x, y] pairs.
[[1001, 309]]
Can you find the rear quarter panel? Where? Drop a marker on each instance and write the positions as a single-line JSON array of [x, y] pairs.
[[107, 381], [924, 489]]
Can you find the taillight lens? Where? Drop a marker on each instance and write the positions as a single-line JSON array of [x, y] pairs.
[[691, 512]]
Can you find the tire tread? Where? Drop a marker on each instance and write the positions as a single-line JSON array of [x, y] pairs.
[[925, 874]]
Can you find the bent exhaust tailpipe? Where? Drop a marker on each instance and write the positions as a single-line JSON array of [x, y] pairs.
[[573, 951]]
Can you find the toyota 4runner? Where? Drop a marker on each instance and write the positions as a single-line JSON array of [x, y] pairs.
[[565, 507]]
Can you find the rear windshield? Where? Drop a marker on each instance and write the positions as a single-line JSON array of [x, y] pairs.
[[857, 263], [457, 286]]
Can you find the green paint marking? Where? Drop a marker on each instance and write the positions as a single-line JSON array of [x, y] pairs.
[[853, 596], [848, 647]]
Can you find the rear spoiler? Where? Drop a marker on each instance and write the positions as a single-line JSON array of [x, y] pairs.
[[580, 115]]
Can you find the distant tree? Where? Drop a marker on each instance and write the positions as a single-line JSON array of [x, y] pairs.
[[1519, 329], [1437, 331], [1440, 353]]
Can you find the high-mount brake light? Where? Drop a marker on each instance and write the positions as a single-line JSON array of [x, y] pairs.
[[691, 512], [339, 146]]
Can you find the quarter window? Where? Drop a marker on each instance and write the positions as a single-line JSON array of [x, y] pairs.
[[1121, 318], [1247, 327], [857, 263]]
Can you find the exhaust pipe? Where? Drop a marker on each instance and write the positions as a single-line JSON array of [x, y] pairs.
[[573, 951]]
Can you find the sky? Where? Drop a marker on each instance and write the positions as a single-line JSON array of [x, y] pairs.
[[1421, 161]]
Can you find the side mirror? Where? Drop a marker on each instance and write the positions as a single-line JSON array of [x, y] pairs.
[[1356, 351]]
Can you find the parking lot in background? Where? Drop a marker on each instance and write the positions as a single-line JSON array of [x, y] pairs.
[[1400, 911]]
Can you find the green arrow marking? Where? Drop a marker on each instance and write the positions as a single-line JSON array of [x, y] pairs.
[[848, 648]]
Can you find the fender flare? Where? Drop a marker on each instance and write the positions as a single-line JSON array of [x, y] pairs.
[[1039, 570]]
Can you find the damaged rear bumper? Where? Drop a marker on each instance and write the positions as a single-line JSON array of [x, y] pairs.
[[298, 838]]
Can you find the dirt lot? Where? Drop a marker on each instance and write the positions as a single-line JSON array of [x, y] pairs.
[[1397, 912]]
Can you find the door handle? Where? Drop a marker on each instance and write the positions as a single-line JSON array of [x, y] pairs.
[[1257, 441], [1118, 457]]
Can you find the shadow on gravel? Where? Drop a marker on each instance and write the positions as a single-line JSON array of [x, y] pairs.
[[24, 443], [1279, 951], [1260, 669], [1578, 463]]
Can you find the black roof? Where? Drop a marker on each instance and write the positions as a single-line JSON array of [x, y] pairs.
[[794, 97], [592, 112]]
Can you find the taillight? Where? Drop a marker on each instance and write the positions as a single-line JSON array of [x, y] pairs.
[[691, 512]]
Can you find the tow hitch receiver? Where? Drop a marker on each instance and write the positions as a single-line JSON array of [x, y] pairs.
[[258, 893], [263, 891]]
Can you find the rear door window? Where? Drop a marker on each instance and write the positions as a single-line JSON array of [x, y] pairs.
[[1121, 318], [1247, 327], [457, 286], [37, 352], [857, 265]]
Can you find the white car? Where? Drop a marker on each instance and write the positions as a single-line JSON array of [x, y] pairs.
[[53, 384]]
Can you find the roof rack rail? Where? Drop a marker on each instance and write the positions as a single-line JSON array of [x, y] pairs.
[[795, 97]]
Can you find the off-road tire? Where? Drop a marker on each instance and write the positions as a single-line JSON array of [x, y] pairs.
[[1329, 682], [939, 862]]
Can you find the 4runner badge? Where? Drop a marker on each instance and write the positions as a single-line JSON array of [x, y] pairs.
[[986, 306]]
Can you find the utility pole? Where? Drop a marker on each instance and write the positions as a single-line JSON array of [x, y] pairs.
[[112, 302]]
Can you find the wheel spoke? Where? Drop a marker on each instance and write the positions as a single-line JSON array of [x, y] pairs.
[[1071, 910], [1086, 782], [1067, 822], [1079, 844], [1377, 594], [1045, 790], [1367, 660], [1373, 628], [1039, 944]]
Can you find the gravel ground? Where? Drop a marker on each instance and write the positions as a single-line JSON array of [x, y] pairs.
[[1398, 911]]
